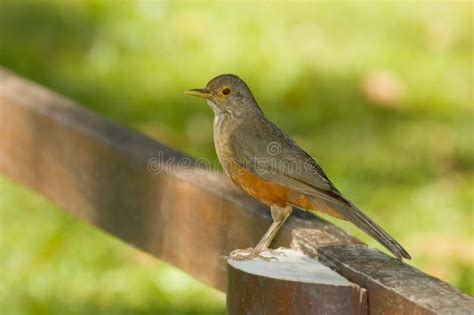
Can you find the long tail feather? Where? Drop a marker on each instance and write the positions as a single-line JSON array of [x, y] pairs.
[[362, 221]]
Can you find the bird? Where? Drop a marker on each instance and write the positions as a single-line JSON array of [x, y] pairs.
[[267, 164]]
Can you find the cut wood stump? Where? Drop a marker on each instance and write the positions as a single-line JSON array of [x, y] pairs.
[[295, 284]]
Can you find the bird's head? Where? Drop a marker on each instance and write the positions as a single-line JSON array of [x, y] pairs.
[[227, 93]]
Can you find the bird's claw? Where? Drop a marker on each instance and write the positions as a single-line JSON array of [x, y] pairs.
[[251, 253]]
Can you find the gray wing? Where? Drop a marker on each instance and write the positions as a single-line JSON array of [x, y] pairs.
[[272, 155]]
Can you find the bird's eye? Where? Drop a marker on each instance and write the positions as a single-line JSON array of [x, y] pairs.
[[226, 91]]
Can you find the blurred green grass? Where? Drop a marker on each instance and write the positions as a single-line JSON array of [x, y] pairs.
[[381, 93], [52, 263]]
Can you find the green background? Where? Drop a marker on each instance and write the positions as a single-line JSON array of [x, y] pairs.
[[380, 93]]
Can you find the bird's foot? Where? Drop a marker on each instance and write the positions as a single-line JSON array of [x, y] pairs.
[[251, 253]]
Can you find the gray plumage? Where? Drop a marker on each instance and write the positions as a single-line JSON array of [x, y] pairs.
[[244, 136]]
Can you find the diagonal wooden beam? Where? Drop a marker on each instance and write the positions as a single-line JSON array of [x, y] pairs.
[[393, 286], [117, 179]]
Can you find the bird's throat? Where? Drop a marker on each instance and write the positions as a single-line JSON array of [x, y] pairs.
[[215, 107]]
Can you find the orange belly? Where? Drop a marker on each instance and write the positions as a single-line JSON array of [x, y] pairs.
[[273, 194], [266, 191]]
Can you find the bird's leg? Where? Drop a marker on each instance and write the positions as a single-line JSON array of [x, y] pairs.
[[279, 215]]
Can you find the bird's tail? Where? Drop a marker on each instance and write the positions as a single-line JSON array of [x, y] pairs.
[[362, 221]]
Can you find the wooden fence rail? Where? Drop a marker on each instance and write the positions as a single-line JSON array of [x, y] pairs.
[[117, 179]]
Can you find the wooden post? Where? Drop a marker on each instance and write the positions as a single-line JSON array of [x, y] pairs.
[[295, 284]]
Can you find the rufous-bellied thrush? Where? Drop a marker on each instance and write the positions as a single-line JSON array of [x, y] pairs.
[[268, 165]]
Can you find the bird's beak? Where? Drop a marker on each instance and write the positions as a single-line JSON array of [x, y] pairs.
[[199, 92]]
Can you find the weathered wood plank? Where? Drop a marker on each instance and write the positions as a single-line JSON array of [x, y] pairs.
[[295, 284], [100, 172], [393, 286]]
